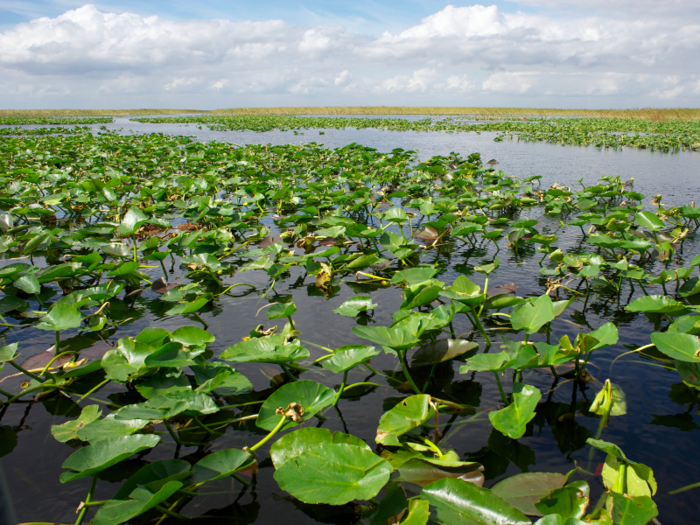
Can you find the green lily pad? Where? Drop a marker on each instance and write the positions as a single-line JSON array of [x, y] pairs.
[[522, 491], [682, 347], [296, 443], [532, 316], [69, 430], [512, 420], [103, 454], [440, 351], [312, 396], [355, 305], [139, 501], [60, 317], [456, 501], [334, 473], [220, 464], [268, 349], [410, 413], [348, 357]]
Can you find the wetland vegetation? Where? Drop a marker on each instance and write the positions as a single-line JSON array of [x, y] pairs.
[[465, 298]]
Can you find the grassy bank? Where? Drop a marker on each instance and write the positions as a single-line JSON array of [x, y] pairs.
[[484, 113]]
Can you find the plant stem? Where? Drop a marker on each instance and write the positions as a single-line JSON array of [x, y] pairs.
[[58, 342], [404, 367], [87, 499], [269, 436], [53, 360], [32, 389], [500, 389], [171, 513], [93, 390], [342, 387], [26, 372]]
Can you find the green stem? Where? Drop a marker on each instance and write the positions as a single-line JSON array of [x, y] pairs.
[[87, 500], [432, 446], [4, 393], [53, 360], [430, 377], [26, 372], [404, 367], [93, 390], [500, 389], [58, 342], [342, 387], [171, 513], [202, 425], [269, 436], [32, 389], [486, 288], [172, 433]]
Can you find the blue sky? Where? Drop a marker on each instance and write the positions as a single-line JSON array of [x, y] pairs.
[[209, 54]]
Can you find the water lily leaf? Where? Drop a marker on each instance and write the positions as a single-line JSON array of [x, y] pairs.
[[456, 501], [28, 284], [109, 428], [280, 310], [163, 382], [169, 405], [606, 335], [682, 347], [60, 317], [397, 337], [124, 268], [412, 276], [131, 222], [649, 220], [171, 355], [206, 260], [570, 501], [192, 336], [127, 361], [347, 357], [152, 336], [524, 490], [312, 397], [296, 443], [657, 304], [440, 351], [189, 308], [139, 501], [512, 420], [8, 352], [410, 413], [220, 378], [418, 513], [642, 471], [220, 464], [486, 363], [534, 315], [392, 508], [103, 454], [353, 306], [334, 474], [268, 349], [155, 475], [632, 510], [421, 294], [421, 473], [69, 430]]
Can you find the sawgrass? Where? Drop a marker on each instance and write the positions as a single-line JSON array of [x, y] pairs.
[[652, 114]]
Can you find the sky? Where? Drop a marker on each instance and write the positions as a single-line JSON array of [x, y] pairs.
[[213, 54]]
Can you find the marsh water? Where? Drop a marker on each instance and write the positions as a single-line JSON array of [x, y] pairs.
[[660, 429]]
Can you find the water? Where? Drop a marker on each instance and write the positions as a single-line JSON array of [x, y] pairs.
[[660, 428]]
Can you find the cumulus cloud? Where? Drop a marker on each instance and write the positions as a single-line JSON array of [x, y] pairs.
[[494, 57]]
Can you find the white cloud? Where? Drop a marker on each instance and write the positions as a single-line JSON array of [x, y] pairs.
[[518, 82], [634, 57]]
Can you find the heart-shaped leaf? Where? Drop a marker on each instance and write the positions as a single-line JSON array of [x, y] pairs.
[[347, 357], [512, 420], [408, 414], [312, 397]]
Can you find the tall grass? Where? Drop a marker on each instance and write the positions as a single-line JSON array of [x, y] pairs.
[[653, 114]]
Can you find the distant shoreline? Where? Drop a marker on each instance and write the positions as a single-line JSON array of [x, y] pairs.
[[643, 113]]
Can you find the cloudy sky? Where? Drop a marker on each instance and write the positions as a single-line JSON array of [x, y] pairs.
[[217, 53]]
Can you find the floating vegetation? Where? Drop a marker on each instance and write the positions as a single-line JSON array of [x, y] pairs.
[[52, 121], [91, 223], [667, 135]]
